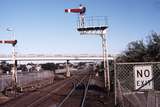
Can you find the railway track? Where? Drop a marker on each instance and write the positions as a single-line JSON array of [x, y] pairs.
[[65, 86], [47, 96], [76, 97], [35, 98]]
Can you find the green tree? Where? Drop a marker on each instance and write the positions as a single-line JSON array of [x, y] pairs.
[[138, 51], [135, 52], [4, 66], [49, 66], [153, 47]]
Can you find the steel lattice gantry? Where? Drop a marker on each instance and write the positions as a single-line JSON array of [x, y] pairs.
[[97, 26]]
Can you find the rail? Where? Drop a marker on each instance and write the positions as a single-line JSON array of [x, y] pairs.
[[57, 87], [67, 87], [40, 99], [82, 100], [85, 93], [72, 90]]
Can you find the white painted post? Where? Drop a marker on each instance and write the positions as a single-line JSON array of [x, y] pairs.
[[14, 70], [105, 61], [68, 74]]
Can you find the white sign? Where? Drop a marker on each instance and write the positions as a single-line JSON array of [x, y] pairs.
[[142, 75]]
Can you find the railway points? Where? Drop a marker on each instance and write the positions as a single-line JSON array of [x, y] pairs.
[[61, 93]]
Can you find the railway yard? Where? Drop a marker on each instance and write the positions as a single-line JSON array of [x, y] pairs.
[[82, 89], [43, 63]]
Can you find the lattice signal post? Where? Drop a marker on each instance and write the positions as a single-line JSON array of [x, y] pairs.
[[97, 26], [94, 26], [14, 70]]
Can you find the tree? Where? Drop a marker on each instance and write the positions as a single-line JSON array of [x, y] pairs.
[[138, 51], [5, 67], [135, 52], [49, 66], [153, 51], [22, 67]]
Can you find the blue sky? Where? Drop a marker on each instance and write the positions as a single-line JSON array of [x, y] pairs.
[[41, 26]]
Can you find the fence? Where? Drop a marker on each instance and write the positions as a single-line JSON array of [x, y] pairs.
[[93, 21], [24, 79], [137, 84]]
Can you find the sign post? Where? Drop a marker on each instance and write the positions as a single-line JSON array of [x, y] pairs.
[[143, 75]]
